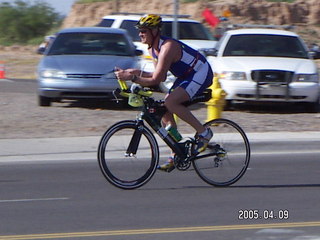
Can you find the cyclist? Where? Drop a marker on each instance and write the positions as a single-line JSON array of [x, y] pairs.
[[191, 68]]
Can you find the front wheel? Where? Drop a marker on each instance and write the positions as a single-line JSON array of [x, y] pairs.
[[44, 101], [128, 154], [227, 156]]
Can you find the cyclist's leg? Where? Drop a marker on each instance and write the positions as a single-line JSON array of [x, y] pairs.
[[174, 103], [168, 119], [184, 90]]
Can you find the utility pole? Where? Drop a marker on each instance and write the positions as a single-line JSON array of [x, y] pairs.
[[175, 27], [116, 5]]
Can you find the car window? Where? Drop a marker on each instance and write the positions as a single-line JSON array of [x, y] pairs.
[[90, 44], [129, 25], [265, 45], [188, 30], [105, 23]]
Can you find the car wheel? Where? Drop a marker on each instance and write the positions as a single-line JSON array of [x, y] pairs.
[[312, 107], [44, 101], [228, 105], [315, 106]]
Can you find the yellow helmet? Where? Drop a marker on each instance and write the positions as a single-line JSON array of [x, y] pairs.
[[149, 21]]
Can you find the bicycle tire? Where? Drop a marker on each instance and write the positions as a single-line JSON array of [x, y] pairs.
[[227, 156], [123, 169]]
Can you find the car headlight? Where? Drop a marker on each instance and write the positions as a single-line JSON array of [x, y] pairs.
[[233, 76], [52, 74], [307, 78]]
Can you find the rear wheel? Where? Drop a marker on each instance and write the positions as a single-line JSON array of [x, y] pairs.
[[227, 156]]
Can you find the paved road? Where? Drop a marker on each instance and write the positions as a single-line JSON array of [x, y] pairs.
[[52, 188], [42, 198]]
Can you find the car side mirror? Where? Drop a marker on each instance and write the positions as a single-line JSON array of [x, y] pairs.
[[211, 52], [314, 55], [315, 51], [41, 50], [138, 52]]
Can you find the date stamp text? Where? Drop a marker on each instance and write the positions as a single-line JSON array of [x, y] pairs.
[[255, 214]]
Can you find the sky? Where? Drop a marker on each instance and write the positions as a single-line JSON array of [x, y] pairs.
[[61, 6]]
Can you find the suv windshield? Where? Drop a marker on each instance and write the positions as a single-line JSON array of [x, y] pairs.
[[90, 44], [187, 30], [265, 45]]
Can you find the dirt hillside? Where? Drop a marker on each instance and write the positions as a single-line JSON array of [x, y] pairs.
[[305, 14], [20, 62], [262, 11]]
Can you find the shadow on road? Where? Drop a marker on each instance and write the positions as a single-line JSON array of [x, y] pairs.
[[277, 108], [97, 104], [236, 187], [278, 186], [107, 104]]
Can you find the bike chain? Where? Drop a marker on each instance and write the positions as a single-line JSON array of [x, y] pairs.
[[184, 164]]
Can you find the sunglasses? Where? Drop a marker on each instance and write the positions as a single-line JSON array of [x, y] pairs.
[[143, 30]]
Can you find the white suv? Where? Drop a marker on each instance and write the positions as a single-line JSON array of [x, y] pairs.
[[191, 32], [266, 65]]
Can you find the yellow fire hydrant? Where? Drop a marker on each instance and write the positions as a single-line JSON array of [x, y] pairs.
[[217, 102]]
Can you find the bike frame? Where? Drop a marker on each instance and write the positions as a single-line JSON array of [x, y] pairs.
[[152, 112]]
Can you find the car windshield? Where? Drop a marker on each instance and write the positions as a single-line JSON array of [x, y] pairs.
[[105, 23], [265, 45], [187, 30], [90, 44]]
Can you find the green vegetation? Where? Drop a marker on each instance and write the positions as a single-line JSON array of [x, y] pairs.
[[25, 23]]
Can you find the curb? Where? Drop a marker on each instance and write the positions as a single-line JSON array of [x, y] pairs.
[[85, 148]]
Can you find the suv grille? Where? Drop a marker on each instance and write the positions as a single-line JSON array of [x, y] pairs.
[[271, 76]]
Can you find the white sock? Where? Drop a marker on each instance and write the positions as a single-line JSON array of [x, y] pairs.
[[203, 134]]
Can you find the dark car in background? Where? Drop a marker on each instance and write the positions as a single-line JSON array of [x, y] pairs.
[[79, 64]]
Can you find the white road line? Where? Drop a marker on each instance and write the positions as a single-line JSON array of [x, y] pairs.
[[33, 200]]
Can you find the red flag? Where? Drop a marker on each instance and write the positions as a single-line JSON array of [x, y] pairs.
[[210, 18]]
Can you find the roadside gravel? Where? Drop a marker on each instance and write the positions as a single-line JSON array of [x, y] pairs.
[[22, 118]]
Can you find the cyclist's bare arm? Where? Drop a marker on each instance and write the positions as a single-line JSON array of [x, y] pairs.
[[170, 52], [139, 72]]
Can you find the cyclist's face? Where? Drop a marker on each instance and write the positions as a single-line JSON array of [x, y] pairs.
[[145, 35]]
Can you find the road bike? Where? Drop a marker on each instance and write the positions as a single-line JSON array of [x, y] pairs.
[[128, 152]]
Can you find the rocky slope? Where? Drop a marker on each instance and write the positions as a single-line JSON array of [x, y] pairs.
[[305, 14], [262, 11], [21, 61]]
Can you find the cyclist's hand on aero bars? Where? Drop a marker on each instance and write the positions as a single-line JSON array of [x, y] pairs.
[[124, 75], [118, 72]]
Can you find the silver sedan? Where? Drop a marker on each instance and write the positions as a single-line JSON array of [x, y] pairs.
[[79, 63]]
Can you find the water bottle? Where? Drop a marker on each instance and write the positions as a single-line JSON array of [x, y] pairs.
[[174, 133]]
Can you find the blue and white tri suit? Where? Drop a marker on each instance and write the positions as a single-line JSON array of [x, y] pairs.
[[193, 72]]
